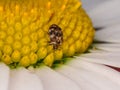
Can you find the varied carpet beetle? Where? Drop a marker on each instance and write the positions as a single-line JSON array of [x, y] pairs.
[[56, 36]]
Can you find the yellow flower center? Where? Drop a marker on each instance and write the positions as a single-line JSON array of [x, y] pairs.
[[24, 28]]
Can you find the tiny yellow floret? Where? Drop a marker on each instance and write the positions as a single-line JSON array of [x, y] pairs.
[[49, 60], [25, 61]]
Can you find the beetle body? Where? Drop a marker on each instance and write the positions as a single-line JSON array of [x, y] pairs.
[[56, 36]]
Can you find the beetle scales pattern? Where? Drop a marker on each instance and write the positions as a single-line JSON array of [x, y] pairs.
[[56, 36]]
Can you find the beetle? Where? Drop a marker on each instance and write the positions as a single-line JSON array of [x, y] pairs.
[[56, 36]]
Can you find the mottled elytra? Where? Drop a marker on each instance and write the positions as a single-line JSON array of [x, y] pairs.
[[56, 36]]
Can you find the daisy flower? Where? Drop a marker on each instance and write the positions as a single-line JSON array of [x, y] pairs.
[[50, 45]]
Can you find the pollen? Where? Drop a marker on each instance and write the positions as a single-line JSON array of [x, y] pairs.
[[36, 31]]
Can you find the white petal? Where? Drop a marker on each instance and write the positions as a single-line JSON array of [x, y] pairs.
[[96, 51], [112, 59], [4, 77], [90, 4], [105, 71], [54, 81], [110, 34], [86, 78], [106, 14], [76, 76], [22, 79], [108, 47]]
